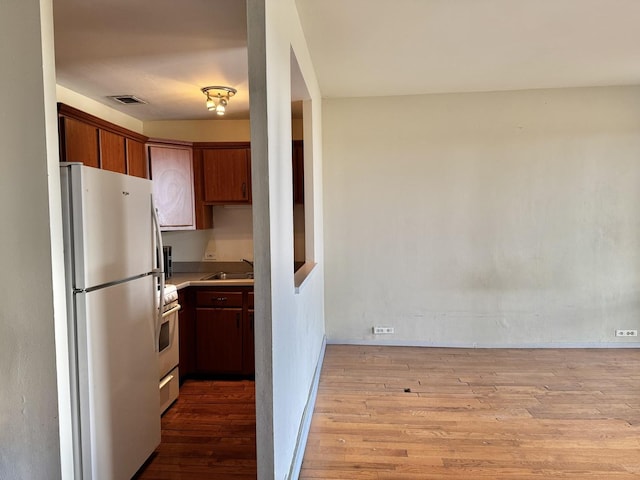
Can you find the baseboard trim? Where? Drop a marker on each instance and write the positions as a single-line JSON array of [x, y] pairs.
[[305, 424], [403, 343]]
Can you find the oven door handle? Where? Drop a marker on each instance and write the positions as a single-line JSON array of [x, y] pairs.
[[165, 380], [172, 311]]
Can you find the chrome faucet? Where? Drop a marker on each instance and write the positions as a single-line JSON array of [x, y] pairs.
[[248, 261]]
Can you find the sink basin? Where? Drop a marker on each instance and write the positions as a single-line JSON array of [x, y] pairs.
[[229, 276]]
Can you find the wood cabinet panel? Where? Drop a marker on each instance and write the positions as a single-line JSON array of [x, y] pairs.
[[248, 346], [172, 175], [223, 298], [187, 334], [136, 159], [223, 336], [226, 175], [79, 142], [97, 143], [203, 211], [298, 171], [112, 152], [219, 340]]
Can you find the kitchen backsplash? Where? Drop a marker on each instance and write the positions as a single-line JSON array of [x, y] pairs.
[[230, 239]]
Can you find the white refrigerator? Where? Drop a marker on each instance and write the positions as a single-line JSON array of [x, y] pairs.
[[113, 275]]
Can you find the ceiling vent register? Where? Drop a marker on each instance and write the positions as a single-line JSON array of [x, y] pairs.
[[127, 99]]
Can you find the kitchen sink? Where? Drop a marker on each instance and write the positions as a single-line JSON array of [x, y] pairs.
[[229, 276]]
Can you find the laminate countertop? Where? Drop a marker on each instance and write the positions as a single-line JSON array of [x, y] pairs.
[[195, 279]]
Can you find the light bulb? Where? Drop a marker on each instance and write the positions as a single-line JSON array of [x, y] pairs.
[[220, 109], [210, 103]]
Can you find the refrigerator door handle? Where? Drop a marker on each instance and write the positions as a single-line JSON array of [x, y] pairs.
[[158, 273]]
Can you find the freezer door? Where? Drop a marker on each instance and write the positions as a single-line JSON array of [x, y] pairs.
[[111, 226], [118, 379]]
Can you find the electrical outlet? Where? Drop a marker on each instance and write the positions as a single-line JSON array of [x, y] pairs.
[[626, 333], [382, 330], [210, 251]]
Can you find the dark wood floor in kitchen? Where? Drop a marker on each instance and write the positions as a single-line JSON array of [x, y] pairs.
[[209, 433]]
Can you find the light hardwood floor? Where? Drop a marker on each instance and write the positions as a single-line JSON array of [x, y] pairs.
[[392, 413]]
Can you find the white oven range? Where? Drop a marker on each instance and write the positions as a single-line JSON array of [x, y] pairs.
[[168, 349]]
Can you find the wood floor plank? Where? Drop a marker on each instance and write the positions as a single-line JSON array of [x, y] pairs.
[[209, 433], [413, 413]]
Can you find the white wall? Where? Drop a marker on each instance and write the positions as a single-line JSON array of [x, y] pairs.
[[289, 326], [207, 130], [32, 284], [231, 237], [88, 105], [486, 219], [200, 130]]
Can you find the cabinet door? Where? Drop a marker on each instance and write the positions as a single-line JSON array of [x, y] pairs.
[[112, 152], [249, 359], [172, 175], [80, 142], [136, 159], [203, 210], [298, 171], [226, 175], [219, 340], [187, 335]]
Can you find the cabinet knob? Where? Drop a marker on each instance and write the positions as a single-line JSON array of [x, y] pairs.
[[220, 299]]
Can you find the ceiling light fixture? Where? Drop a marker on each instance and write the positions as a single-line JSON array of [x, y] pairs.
[[218, 98]]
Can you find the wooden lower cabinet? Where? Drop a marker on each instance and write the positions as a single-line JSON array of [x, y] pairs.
[[216, 332], [219, 340], [249, 359], [187, 333]]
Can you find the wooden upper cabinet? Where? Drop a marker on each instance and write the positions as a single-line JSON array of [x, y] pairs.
[[101, 144], [203, 211], [112, 152], [79, 142], [136, 158], [172, 175], [227, 175], [298, 171]]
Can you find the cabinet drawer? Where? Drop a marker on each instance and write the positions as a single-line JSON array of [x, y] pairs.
[[219, 299]]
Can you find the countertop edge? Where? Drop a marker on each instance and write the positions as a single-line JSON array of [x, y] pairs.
[[184, 280]]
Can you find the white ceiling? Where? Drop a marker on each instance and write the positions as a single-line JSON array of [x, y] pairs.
[[370, 48], [164, 51]]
